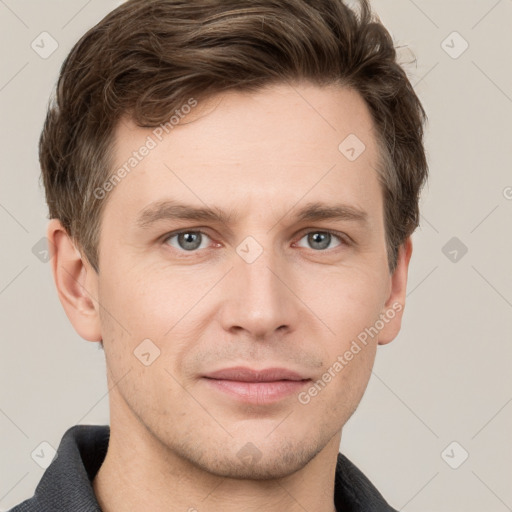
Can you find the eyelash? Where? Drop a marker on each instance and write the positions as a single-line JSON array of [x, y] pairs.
[[344, 239]]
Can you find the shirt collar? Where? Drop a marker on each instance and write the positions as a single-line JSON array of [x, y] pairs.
[[67, 482]]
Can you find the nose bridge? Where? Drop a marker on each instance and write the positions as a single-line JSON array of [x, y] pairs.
[[259, 301], [259, 276]]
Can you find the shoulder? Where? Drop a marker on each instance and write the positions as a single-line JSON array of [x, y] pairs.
[[66, 484]]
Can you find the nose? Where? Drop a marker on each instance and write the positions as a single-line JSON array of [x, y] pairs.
[[258, 297]]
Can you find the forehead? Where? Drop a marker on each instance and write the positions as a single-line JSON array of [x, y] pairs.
[[244, 150]]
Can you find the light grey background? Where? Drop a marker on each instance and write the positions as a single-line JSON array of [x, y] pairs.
[[447, 377]]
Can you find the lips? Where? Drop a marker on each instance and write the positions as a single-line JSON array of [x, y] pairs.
[[256, 387], [243, 374]]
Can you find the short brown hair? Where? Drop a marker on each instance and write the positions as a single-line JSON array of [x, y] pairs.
[[148, 57]]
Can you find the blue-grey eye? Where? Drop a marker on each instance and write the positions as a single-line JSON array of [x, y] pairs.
[[320, 240], [187, 240]]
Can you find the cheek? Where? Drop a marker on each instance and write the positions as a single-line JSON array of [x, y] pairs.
[[160, 305], [150, 301], [336, 393], [347, 301]]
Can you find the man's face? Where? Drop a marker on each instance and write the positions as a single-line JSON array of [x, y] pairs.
[[265, 290]]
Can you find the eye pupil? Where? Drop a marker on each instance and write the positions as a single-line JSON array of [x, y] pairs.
[[319, 237], [188, 240]]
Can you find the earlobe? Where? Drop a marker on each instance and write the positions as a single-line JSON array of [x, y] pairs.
[[395, 304], [76, 283]]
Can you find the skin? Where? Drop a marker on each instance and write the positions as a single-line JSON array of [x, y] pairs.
[[174, 441]]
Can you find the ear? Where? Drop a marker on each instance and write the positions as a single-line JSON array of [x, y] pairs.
[[76, 282], [395, 304]]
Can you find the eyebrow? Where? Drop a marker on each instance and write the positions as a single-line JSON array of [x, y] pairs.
[[174, 210]]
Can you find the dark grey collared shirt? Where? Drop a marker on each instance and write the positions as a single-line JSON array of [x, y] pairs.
[[66, 485]]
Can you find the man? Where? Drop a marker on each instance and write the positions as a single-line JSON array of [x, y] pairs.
[[232, 189]]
